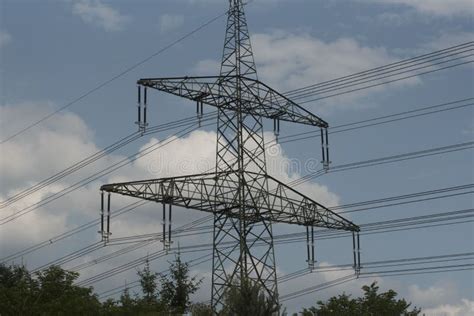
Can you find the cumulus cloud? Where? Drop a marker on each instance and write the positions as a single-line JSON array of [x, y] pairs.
[[5, 38], [196, 153], [433, 295], [447, 39], [170, 22], [294, 60], [30, 158], [434, 7], [97, 13], [289, 61], [190, 154], [463, 308], [67, 139]]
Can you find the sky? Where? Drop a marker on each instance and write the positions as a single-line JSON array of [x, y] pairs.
[[52, 52]]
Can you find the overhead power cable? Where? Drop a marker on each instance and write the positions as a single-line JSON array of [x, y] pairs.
[[90, 248], [385, 119], [289, 238], [96, 176], [349, 278], [453, 105], [388, 81], [69, 233], [448, 56], [98, 155], [365, 73], [332, 268], [385, 160], [91, 224], [112, 79]]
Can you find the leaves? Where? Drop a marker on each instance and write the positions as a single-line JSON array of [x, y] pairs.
[[247, 298], [372, 303], [178, 286], [52, 291]]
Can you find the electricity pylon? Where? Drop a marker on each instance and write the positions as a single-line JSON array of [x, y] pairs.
[[244, 199]]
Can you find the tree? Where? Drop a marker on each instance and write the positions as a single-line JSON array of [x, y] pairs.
[[201, 309], [372, 303], [148, 284], [49, 292], [59, 296], [178, 286], [150, 303], [127, 303], [247, 298], [18, 290]]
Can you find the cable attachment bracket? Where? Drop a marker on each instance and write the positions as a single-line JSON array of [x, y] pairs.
[[101, 231], [199, 110], [310, 247], [325, 148], [276, 128], [356, 252], [167, 242], [142, 124], [104, 219]]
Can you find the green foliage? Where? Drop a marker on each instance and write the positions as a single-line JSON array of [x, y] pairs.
[[18, 290], [51, 292], [148, 284], [201, 310], [169, 297], [177, 287], [247, 298], [372, 303]]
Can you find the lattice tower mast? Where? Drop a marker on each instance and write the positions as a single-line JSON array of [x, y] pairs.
[[244, 199]]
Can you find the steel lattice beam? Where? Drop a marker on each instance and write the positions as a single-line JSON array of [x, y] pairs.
[[258, 98], [280, 204]]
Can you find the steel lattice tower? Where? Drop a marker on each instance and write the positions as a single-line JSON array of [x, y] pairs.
[[244, 199]]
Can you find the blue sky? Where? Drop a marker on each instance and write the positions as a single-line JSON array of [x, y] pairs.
[[53, 51]]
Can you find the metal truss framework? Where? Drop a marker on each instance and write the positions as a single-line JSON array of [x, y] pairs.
[[244, 199]]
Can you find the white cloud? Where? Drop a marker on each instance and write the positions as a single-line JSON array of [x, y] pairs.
[[435, 7], [5, 38], [97, 13], [67, 138], [289, 61], [294, 60], [34, 156], [447, 39], [58, 143], [31, 157], [170, 22], [464, 308], [433, 295], [196, 153]]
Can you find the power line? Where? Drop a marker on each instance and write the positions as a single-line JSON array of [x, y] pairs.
[[282, 239], [338, 129], [296, 182], [91, 224], [431, 60], [88, 249], [100, 154], [374, 263], [379, 77], [69, 233], [348, 278], [75, 167], [122, 73], [383, 68], [95, 176]]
